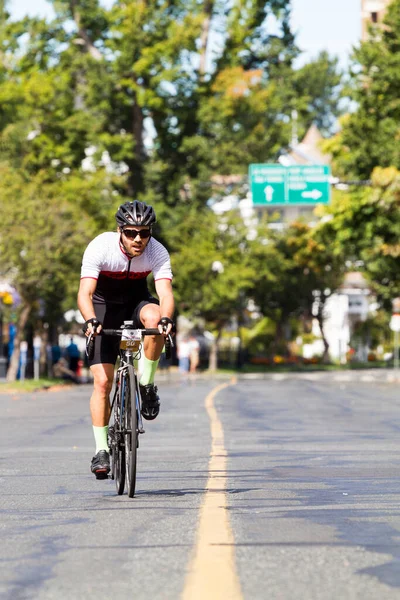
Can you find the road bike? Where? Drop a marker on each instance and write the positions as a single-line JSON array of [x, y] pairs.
[[126, 420]]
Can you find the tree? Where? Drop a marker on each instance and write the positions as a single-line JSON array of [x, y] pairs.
[[272, 263], [317, 86], [43, 235], [113, 76], [298, 270], [370, 135], [324, 267], [214, 266], [364, 227]]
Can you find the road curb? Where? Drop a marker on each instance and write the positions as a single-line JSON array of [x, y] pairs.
[[364, 376]]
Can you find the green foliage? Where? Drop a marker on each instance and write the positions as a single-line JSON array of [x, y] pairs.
[[373, 332], [293, 266], [370, 135], [214, 269], [43, 235], [259, 338], [80, 96], [318, 88], [364, 226]]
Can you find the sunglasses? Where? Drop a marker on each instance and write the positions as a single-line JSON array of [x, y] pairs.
[[133, 233]]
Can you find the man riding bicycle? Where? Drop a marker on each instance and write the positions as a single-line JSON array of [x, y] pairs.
[[113, 289]]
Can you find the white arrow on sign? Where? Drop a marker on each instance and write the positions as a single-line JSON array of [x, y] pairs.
[[314, 194], [269, 192]]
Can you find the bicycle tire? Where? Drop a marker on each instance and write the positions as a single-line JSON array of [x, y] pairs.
[[131, 436], [120, 470], [118, 454]]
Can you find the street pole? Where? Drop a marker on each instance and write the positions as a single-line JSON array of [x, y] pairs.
[[3, 360], [23, 347], [396, 350], [395, 327], [37, 342]]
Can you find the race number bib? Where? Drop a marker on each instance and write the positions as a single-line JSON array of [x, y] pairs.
[[130, 339]]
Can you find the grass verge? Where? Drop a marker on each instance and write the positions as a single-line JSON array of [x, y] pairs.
[[30, 385]]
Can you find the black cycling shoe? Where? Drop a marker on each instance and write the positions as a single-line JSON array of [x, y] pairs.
[[150, 401], [101, 464]]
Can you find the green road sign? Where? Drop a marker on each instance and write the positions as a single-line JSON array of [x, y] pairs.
[[300, 184]]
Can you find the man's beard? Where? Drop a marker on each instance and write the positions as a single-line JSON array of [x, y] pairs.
[[138, 251]]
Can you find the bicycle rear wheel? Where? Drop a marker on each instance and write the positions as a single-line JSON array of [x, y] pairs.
[[118, 450], [131, 427]]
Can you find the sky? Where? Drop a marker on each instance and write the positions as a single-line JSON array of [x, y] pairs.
[[332, 25]]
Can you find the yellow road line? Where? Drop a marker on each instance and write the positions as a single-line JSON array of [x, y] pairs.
[[212, 574]]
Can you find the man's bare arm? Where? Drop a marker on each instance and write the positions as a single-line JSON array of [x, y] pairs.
[[167, 303], [87, 288]]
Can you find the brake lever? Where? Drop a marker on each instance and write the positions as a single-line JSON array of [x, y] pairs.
[[90, 346], [168, 345]]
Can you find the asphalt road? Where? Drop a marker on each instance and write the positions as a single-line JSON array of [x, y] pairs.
[[280, 489]]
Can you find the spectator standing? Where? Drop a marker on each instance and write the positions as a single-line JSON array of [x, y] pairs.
[[194, 353], [73, 356], [55, 354], [183, 352]]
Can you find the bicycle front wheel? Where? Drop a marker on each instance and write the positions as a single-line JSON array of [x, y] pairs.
[[118, 450], [119, 469], [131, 428]]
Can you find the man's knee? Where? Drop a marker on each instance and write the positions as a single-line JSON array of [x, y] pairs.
[[150, 315], [103, 382]]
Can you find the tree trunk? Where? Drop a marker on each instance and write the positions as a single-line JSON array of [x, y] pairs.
[[279, 337], [213, 359], [136, 175], [239, 353], [14, 363], [205, 33], [320, 319], [44, 336], [138, 132], [83, 38]]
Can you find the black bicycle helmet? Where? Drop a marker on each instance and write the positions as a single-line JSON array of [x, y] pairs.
[[135, 213]]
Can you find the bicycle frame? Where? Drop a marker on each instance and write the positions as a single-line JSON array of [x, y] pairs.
[[126, 361]]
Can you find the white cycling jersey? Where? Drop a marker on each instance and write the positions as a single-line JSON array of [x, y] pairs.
[[120, 278]]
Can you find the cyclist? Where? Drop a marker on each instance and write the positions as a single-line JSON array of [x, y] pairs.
[[113, 288]]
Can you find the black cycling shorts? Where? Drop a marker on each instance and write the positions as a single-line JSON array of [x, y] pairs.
[[112, 316]]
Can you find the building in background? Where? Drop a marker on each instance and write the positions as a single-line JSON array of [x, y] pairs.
[[308, 151], [350, 305], [372, 11]]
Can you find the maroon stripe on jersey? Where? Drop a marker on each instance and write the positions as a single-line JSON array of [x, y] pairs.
[[125, 274]]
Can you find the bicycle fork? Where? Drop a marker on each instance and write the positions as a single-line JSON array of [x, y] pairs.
[[137, 403]]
